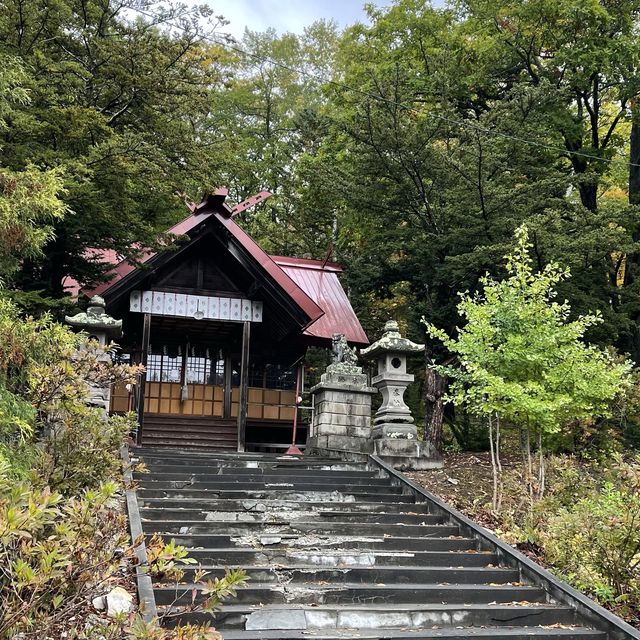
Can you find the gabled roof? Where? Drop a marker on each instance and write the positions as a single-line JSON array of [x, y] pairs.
[[312, 285]]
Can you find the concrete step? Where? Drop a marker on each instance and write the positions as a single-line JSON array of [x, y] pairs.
[[388, 575], [180, 525], [282, 493], [552, 632], [381, 616], [239, 460], [332, 593], [334, 549], [325, 542], [281, 478], [340, 558], [150, 489], [219, 483], [201, 511], [177, 498], [251, 473]]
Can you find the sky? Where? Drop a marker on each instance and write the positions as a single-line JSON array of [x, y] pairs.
[[286, 15]]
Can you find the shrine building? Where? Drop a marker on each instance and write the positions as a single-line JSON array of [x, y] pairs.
[[222, 329]]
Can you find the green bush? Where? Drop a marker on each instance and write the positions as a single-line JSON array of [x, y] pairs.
[[81, 452], [54, 553], [596, 544], [58, 553]]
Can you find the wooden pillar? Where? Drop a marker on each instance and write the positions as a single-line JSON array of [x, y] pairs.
[[244, 385], [228, 371], [146, 335]]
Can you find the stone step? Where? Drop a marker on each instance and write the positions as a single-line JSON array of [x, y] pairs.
[[334, 549], [361, 557], [388, 575], [177, 498], [551, 632], [340, 593], [217, 483], [194, 480], [155, 512], [164, 525], [324, 542], [250, 473], [380, 616], [296, 494], [240, 460]]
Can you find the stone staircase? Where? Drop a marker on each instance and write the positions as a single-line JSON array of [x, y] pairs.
[[336, 549]]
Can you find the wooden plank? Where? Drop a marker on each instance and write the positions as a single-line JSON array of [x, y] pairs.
[[244, 384]]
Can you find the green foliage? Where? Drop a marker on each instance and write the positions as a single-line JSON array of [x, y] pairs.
[[29, 205], [51, 556], [588, 527], [45, 370], [119, 102], [79, 452], [523, 358]]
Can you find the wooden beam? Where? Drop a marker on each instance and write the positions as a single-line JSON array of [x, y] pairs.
[[244, 385], [146, 335]]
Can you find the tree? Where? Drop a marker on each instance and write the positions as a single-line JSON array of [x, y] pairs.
[[117, 101], [30, 201], [273, 111], [523, 361]]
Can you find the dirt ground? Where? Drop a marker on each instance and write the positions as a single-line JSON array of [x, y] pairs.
[[465, 482]]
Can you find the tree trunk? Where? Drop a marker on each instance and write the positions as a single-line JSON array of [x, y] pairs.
[[541, 469], [589, 195], [529, 467], [498, 462], [634, 154], [494, 467], [435, 387]]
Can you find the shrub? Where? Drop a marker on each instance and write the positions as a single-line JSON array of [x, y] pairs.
[[595, 542], [54, 553], [81, 452]]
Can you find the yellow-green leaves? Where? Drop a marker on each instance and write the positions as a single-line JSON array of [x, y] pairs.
[[522, 357]]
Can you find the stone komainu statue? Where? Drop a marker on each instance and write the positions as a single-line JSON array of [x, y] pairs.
[[342, 352]]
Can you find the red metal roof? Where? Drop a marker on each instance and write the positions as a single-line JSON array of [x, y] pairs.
[[320, 281], [312, 284], [301, 297]]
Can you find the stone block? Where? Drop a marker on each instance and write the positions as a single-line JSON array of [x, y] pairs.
[[375, 619], [351, 385], [343, 396], [321, 619], [330, 429], [340, 443], [395, 431], [342, 420], [343, 379], [276, 619], [342, 408], [406, 454], [397, 414]]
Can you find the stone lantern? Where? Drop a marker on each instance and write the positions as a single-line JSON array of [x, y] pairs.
[[395, 436], [96, 322], [103, 328]]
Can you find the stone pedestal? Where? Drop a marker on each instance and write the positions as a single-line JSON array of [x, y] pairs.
[[342, 410]]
